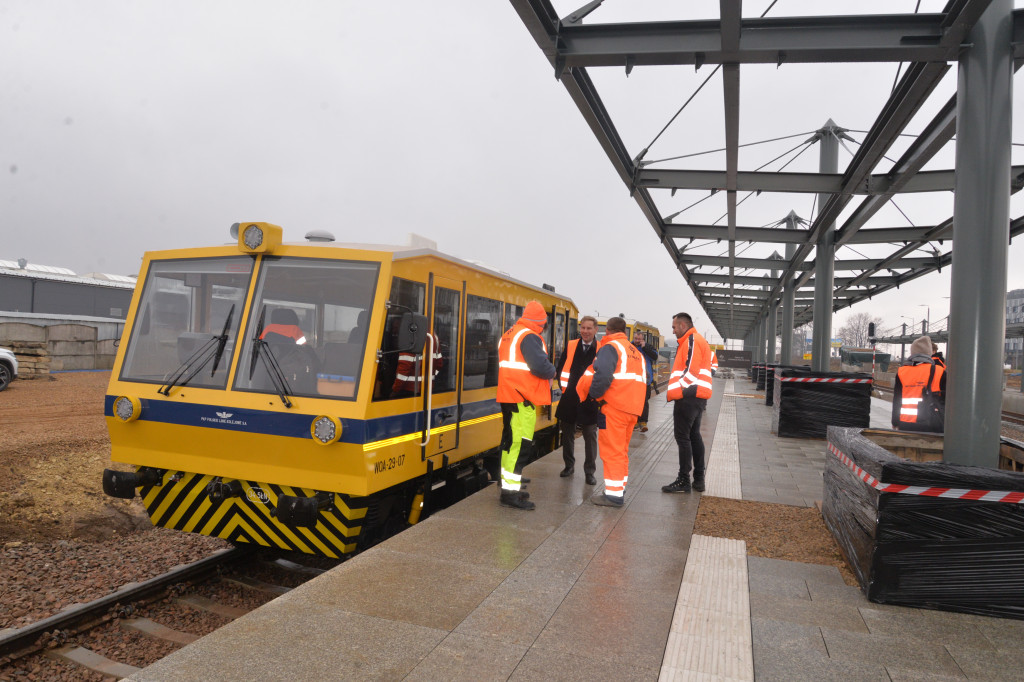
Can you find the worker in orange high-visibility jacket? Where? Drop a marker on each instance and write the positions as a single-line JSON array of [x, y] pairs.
[[409, 372], [689, 387], [618, 381], [524, 382], [912, 408], [714, 363]]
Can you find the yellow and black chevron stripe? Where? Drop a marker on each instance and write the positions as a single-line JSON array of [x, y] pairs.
[[181, 503]]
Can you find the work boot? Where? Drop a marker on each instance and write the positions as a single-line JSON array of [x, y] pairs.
[[643, 427], [516, 499], [680, 485], [591, 480], [567, 471], [698, 484], [604, 500]]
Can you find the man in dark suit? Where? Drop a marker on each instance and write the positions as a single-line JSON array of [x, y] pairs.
[[573, 362]]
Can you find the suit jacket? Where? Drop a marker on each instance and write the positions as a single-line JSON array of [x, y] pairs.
[[569, 408]]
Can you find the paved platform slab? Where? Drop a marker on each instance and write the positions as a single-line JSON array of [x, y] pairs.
[[573, 591]]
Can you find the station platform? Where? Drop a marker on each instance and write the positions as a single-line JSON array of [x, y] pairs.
[[573, 591]]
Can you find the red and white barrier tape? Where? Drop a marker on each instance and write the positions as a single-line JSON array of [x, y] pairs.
[[952, 493], [812, 380]]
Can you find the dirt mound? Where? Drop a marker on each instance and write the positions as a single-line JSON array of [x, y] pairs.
[[52, 455]]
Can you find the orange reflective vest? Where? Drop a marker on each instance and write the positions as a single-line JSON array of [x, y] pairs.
[[912, 380], [691, 367], [629, 381], [292, 331], [570, 351], [516, 383], [407, 378], [714, 361]]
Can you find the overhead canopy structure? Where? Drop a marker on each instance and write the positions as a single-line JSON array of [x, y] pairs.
[[736, 292], [741, 291]]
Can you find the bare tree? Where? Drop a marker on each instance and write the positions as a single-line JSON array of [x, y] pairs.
[[855, 332]]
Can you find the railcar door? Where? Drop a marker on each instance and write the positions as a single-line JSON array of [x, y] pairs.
[[443, 403], [557, 339]]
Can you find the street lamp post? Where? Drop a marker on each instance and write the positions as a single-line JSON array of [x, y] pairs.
[[928, 324]]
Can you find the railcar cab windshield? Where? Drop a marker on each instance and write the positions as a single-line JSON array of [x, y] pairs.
[[309, 316]]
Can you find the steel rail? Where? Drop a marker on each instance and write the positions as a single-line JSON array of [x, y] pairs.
[[22, 641]]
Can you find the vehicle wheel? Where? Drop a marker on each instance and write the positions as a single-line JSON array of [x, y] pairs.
[[5, 376]]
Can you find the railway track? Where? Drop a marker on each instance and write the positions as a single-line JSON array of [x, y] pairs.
[[63, 636]]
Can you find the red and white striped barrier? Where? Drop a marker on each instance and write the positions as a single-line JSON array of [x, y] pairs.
[[952, 493], [812, 380]]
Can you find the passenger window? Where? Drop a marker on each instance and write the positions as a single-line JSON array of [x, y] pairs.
[[446, 329], [559, 333], [512, 314], [400, 375], [483, 330]]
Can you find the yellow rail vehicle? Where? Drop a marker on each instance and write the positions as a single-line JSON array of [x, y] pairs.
[[312, 397]]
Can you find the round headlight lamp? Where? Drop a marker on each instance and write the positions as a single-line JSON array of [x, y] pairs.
[[253, 236], [325, 429], [127, 409]]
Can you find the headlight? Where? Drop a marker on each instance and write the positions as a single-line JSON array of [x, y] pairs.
[[257, 237], [253, 237], [127, 409], [325, 429]]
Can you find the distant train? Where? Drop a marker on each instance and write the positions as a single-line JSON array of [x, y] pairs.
[[652, 337], [312, 397]]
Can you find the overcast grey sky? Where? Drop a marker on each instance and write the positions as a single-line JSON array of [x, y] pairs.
[[128, 126]]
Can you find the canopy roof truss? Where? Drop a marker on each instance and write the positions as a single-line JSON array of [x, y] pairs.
[[737, 291]]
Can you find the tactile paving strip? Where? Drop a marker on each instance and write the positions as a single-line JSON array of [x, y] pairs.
[[710, 636], [723, 465]]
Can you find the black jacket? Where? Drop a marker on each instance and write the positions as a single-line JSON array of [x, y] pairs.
[[569, 408]]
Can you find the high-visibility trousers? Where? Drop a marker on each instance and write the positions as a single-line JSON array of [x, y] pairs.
[[518, 422], [613, 444]]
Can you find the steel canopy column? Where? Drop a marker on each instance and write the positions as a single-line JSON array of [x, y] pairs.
[[788, 296], [772, 321], [981, 219], [824, 257]]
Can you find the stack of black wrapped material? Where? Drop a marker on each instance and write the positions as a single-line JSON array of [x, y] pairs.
[[806, 403], [769, 384], [762, 378], [950, 553]]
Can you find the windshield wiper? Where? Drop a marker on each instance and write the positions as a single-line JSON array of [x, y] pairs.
[[261, 351], [222, 341], [213, 348]]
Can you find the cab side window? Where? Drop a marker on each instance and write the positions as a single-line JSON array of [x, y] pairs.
[[405, 296]]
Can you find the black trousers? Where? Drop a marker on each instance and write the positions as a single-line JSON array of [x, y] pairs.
[[589, 445], [686, 416]]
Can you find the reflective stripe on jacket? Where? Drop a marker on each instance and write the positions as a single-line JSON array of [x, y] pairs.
[[570, 351], [516, 383], [714, 361], [620, 378], [691, 368], [912, 380]]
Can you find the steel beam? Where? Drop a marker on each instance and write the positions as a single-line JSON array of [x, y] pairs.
[[850, 264], [977, 316], [811, 183], [799, 40]]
